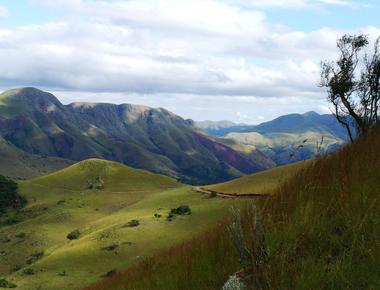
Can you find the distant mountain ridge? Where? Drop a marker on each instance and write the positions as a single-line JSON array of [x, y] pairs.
[[288, 138], [36, 122], [221, 128]]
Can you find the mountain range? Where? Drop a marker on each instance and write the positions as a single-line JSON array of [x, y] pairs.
[[287, 138], [34, 123]]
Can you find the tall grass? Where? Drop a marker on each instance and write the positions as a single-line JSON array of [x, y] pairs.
[[321, 227], [202, 263]]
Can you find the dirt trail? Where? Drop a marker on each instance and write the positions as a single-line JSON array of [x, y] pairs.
[[228, 195]]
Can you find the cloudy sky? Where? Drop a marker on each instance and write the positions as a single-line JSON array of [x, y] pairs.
[[241, 60]]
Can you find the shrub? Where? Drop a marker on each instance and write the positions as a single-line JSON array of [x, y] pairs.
[[170, 216], [34, 257], [74, 235], [157, 215], [133, 223], [181, 210], [29, 271], [111, 247], [6, 284], [9, 196], [16, 268]]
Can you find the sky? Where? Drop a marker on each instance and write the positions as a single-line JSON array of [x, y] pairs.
[[247, 61]]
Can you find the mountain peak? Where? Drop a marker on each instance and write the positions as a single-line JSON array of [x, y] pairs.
[[311, 114], [29, 98]]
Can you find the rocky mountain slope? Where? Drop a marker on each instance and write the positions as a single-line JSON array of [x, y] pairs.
[[36, 122]]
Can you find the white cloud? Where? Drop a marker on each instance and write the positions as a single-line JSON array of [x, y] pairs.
[[185, 50], [4, 12]]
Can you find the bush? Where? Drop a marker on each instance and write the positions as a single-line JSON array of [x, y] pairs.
[[16, 268], [29, 271], [9, 196], [111, 247], [34, 257], [181, 210], [74, 235], [6, 284], [133, 223]]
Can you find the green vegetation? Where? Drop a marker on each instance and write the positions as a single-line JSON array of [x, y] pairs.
[[201, 263], [99, 214], [9, 196], [133, 223], [18, 164], [321, 229], [259, 183], [149, 138], [181, 210], [6, 284], [74, 235]]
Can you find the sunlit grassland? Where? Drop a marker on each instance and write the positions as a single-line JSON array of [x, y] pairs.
[[62, 202], [259, 183], [321, 227]]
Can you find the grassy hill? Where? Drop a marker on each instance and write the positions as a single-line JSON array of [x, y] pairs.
[[321, 229], [259, 183], [98, 198]]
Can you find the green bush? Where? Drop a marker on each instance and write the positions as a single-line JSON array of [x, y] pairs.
[[9, 196], [6, 284], [133, 223], [111, 247], [29, 271], [73, 235], [181, 210], [34, 257]]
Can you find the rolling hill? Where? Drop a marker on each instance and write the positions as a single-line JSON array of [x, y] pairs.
[[98, 198], [320, 230], [149, 138]]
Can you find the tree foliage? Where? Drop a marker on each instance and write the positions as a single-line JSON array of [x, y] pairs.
[[353, 83], [9, 196]]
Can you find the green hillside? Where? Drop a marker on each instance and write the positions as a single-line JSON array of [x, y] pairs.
[[98, 198], [259, 183], [16, 163], [320, 230]]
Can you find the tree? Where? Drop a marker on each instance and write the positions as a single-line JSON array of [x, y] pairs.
[[353, 83], [9, 196]]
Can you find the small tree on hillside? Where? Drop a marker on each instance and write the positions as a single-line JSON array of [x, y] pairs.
[[353, 83]]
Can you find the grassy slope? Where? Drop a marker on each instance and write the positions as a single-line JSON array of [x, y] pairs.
[[259, 183], [321, 231], [17, 164], [323, 224], [100, 215]]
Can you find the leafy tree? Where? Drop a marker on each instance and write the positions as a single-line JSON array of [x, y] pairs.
[[74, 235], [353, 83], [9, 196]]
